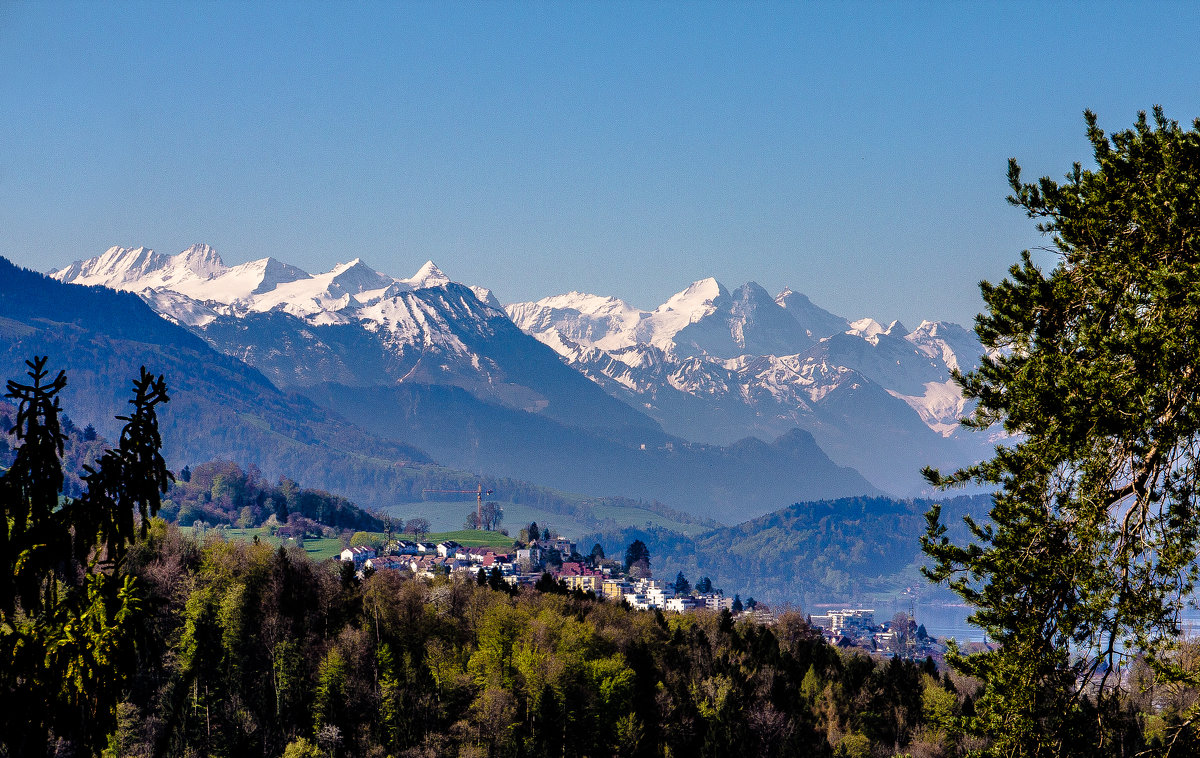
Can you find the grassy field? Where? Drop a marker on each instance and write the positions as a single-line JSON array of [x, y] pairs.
[[320, 549], [465, 537], [633, 516], [446, 521], [450, 516]]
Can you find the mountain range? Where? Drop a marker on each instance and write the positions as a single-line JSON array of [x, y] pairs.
[[437, 366], [725, 403], [716, 365]]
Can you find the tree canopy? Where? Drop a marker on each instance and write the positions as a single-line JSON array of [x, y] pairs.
[[1091, 547]]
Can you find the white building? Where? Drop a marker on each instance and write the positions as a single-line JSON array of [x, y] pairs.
[[682, 604], [845, 619], [715, 601], [358, 555]]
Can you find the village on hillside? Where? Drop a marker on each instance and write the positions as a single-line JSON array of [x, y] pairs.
[[553, 563]]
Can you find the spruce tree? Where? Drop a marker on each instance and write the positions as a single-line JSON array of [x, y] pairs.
[[67, 615]]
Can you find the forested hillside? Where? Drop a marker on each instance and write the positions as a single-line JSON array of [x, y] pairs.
[[731, 483], [816, 552], [250, 650]]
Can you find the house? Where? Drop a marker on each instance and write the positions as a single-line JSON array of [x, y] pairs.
[[715, 601], [405, 547], [655, 592], [428, 566], [530, 556], [584, 583], [846, 619], [387, 563], [636, 601], [358, 555], [448, 549], [570, 569], [564, 546]]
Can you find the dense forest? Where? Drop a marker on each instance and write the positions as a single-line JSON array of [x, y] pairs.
[[249, 650]]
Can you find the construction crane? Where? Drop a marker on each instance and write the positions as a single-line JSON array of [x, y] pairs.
[[478, 492]]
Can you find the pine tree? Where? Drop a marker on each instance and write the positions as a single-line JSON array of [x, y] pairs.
[[1095, 369]]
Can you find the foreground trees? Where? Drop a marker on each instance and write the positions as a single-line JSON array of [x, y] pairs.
[[1092, 546], [68, 618]]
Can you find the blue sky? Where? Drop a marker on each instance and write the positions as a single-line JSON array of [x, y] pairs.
[[855, 152]]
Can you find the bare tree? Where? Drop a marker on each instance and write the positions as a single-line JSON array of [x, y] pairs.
[[418, 527]]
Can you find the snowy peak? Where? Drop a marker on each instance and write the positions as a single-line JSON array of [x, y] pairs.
[[356, 277], [705, 319], [760, 326], [954, 346], [870, 329], [199, 275], [118, 265], [428, 275], [273, 272], [579, 319], [140, 267], [867, 328], [817, 322], [201, 260], [587, 304], [696, 301]]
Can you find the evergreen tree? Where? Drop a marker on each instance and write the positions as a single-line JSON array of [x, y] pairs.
[[682, 585], [635, 552], [1094, 369], [67, 616]]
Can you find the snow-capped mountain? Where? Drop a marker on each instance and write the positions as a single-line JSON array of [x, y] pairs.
[[703, 320], [355, 326], [267, 284], [717, 365], [439, 365], [710, 365]]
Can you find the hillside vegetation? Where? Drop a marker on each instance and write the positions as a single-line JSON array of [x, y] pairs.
[[850, 549]]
